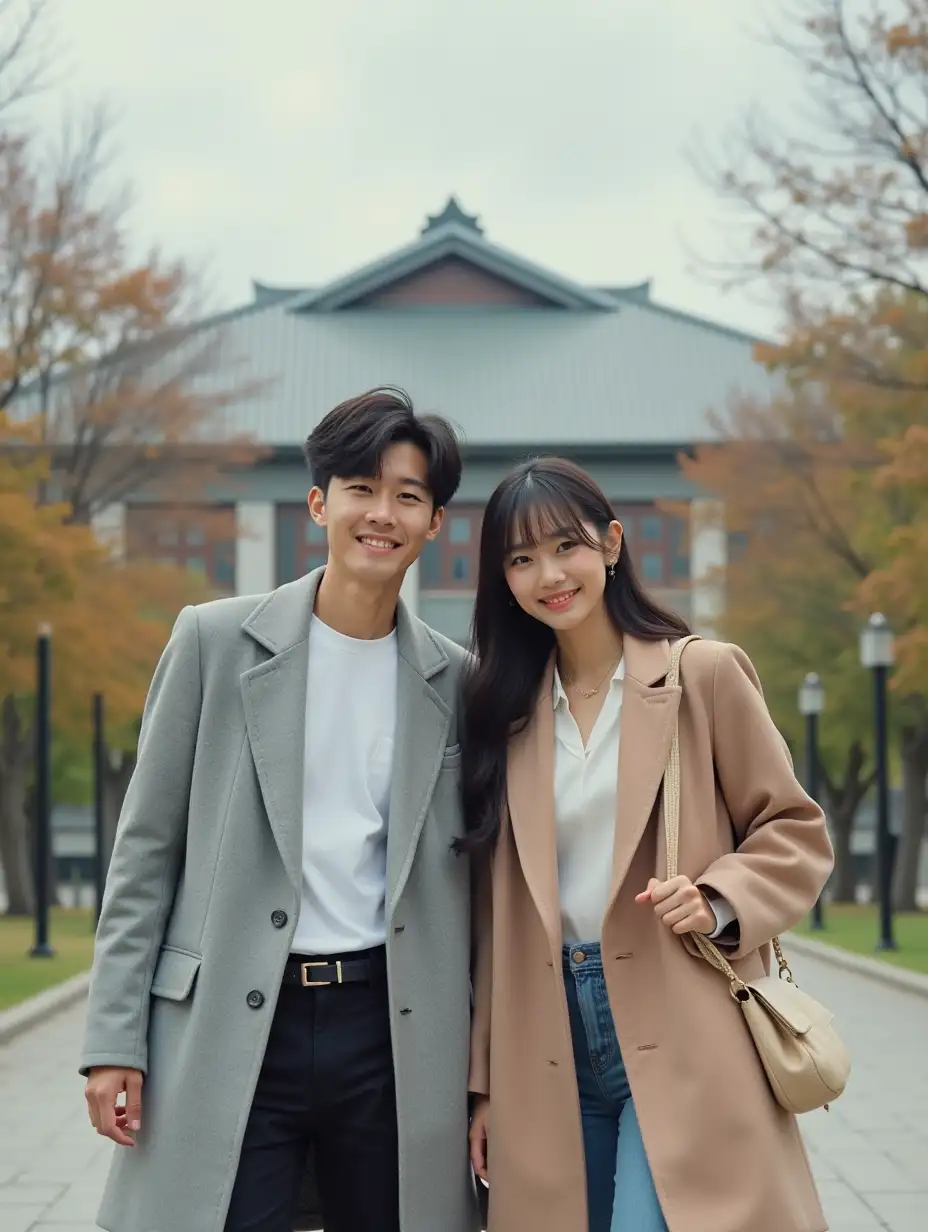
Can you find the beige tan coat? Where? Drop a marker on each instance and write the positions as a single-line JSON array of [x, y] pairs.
[[724, 1156]]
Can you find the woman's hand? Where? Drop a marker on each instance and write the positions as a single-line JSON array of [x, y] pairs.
[[478, 1136], [680, 905]]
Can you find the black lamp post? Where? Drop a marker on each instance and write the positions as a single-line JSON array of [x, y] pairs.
[[877, 652], [99, 770], [811, 705], [43, 802]]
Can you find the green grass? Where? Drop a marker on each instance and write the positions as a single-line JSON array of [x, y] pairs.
[[857, 929], [71, 937]]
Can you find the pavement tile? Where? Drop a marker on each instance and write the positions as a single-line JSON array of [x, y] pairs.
[[846, 1212], [20, 1218], [869, 1153], [903, 1212], [29, 1195], [64, 1227]]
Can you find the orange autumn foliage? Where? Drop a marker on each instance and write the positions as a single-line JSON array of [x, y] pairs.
[[109, 618]]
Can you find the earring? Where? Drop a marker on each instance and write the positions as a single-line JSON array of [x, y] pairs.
[[612, 572]]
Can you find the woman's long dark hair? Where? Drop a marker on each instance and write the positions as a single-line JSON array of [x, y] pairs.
[[512, 649]]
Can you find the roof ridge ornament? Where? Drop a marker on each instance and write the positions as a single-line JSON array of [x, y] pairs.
[[452, 214]]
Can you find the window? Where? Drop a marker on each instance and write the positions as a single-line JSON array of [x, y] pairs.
[[450, 562], [224, 566], [459, 530], [679, 549], [658, 543], [737, 544], [301, 544], [197, 537], [430, 566]]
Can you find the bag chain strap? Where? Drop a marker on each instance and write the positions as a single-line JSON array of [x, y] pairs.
[[671, 802]]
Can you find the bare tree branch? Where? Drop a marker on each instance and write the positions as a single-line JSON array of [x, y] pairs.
[[23, 57], [843, 211]]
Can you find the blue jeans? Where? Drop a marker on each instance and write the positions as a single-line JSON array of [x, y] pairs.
[[620, 1190]]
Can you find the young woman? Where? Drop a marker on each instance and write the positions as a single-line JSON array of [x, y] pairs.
[[617, 1087]]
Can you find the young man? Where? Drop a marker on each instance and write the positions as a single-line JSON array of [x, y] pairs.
[[281, 978]]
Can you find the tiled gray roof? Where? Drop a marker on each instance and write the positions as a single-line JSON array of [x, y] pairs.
[[606, 366], [508, 376]]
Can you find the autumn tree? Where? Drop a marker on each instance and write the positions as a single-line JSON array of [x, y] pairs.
[[109, 618], [835, 208], [41, 561], [833, 198], [788, 596], [123, 393], [109, 355], [827, 474], [899, 584], [23, 50]]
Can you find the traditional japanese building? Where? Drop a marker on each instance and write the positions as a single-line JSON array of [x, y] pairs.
[[524, 360]]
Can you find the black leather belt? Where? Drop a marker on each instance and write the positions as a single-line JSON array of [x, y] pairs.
[[321, 972]]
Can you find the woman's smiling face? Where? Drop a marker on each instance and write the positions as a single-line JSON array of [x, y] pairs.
[[559, 577]]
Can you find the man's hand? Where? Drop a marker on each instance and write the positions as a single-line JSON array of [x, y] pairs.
[[680, 905], [478, 1137], [112, 1119]]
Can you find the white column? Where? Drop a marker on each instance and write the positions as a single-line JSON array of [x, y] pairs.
[[708, 557], [409, 592], [254, 548], [109, 526]]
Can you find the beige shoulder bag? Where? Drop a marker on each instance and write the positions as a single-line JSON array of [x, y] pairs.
[[805, 1061]]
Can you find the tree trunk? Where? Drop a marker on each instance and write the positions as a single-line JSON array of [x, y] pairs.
[[843, 888], [32, 822], [843, 799], [15, 851], [15, 846], [914, 810]]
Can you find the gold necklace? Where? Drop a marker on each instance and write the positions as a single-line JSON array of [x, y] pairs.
[[588, 693]]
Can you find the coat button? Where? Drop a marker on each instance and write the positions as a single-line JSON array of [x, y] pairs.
[[255, 999], [278, 918]]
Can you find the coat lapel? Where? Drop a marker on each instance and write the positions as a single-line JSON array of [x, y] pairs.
[[649, 712], [274, 697], [530, 790], [423, 721]]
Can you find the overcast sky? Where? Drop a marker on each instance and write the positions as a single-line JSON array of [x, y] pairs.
[[291, 140]]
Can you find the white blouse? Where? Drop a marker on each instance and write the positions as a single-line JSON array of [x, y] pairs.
[[585, 787]]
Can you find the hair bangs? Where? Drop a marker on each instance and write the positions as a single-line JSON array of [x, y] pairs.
[[538, 512]]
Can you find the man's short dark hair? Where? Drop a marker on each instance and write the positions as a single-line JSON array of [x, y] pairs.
[[352, 439]]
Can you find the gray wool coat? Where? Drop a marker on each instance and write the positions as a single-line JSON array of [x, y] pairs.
[[207, 857]]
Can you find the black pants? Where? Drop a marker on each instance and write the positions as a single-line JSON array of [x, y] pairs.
[[326, 1081]]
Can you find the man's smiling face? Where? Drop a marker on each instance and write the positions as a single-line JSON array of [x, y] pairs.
[[377, 526]]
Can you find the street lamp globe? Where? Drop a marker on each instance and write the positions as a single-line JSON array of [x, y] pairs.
[[877, 648], [811, 695]]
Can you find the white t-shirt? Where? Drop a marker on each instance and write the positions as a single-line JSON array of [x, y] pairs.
[[347, 774]]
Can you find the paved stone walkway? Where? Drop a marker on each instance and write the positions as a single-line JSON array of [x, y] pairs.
[[870, 1152]]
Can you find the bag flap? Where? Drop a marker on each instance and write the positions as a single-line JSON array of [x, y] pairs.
[[174, 974], [789, 1005]]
